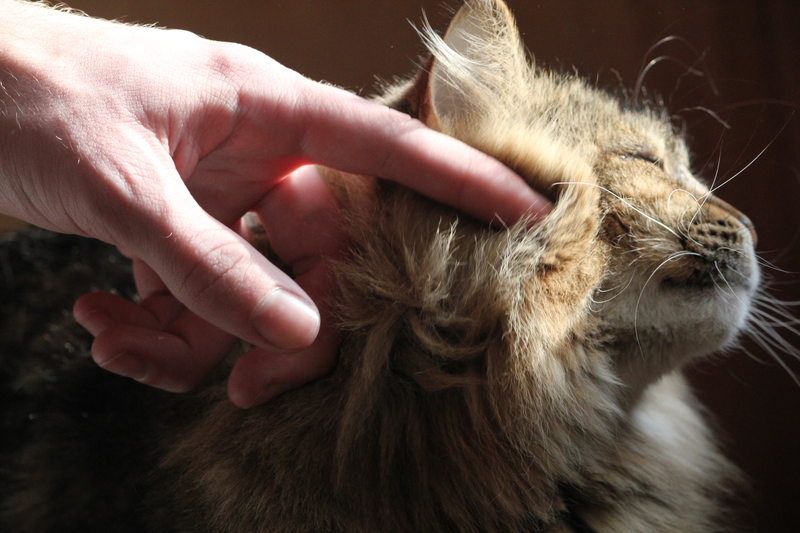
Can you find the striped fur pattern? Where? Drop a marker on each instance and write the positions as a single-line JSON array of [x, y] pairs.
[[492, 378]]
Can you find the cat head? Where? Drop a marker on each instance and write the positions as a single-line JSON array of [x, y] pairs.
[[639, 257]]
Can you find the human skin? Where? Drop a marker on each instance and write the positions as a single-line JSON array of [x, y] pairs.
[[158, 142]]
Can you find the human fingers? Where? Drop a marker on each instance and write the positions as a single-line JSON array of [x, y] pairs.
[[176, 359], [301, 221], [351, 134], [156, 345], [260, 375], [207, 266], [98, 311], [157, 342], [147, 280], [161, 343]]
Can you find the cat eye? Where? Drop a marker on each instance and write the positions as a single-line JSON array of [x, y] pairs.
[[644, 156]]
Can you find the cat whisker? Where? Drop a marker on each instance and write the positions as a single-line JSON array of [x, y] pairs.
[[736, 270], [778, 307], [706, 110], [612, 289], [654, 243], [698, 213], [721, 275], [623, 200], [774, 321], [652, 63], [717, 285], [669, 198], [766, 345], [770, 337], [654, 240], [766, 264], [718, 150], [767, 316], [763, 101], [760, 260], [768, 327], [646, 283], [645, 69], [633, 262], [767, 298], [756, 158], [702, 200], [621, 291]]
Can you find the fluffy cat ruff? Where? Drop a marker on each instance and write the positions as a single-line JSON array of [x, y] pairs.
[[491, 379]]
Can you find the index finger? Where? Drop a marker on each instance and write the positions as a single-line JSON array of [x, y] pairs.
[[355, 135]]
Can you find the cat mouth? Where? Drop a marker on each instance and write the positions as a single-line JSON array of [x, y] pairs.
[[727, 269], [725, 281], [703, 258], [715, 255]]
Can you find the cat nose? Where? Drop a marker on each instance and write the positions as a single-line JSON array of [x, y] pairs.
[[731, 211]]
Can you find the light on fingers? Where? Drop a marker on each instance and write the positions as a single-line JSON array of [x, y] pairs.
[[285, 321]]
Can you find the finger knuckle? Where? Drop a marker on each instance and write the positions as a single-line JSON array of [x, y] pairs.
[[216, 274]]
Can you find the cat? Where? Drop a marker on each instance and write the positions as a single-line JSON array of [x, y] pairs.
[[491, 378]]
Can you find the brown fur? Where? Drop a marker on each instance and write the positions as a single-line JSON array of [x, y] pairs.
[[496, 380], [477, 390]]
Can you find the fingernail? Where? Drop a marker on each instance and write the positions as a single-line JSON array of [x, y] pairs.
[[285, 321], [126, 365]]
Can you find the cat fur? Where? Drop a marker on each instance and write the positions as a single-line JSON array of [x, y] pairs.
[[491, 378]]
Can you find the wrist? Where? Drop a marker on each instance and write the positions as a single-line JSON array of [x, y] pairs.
[[36, 42], [37, 72]]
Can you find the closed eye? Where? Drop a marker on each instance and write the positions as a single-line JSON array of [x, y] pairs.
[[644, 156]]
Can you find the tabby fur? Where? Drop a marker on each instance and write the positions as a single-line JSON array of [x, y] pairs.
[[522, 378]]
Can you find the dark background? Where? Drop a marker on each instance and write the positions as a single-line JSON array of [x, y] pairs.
[[748, 55]]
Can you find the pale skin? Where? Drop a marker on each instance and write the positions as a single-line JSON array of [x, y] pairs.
[[158, 142]]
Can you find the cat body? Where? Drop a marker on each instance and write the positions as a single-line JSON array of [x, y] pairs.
[[491, 379]]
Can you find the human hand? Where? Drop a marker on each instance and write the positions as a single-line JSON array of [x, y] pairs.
[[159, 142]]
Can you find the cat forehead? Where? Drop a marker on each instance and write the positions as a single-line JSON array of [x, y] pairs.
[[493, 79], [480, 86], [578, 113]]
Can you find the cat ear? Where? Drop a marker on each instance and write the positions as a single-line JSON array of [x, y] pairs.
[[479, 59]]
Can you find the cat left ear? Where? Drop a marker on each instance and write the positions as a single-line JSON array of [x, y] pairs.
[[479, 59], [417, 100]]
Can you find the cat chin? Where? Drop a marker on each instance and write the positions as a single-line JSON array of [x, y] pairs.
[[693, 321], [671, 329]]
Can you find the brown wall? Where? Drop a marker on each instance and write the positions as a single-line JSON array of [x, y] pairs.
[[749, 54]]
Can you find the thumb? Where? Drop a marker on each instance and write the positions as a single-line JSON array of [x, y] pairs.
[[219, 276]]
